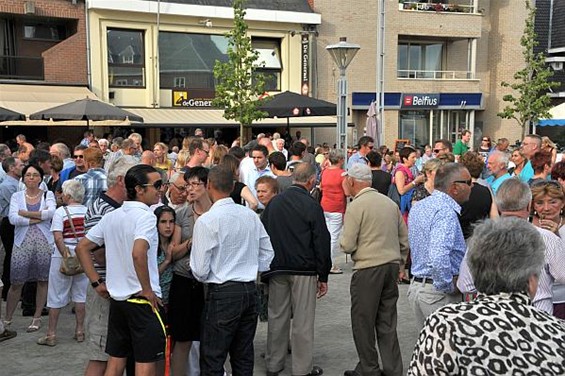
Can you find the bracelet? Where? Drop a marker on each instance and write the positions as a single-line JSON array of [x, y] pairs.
[[95, 284]]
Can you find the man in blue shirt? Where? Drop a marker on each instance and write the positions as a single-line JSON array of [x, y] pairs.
[[498, 166], [366, 144], [530, 146], [436, 242]]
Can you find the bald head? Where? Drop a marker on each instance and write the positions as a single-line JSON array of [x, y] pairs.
[[148, 158]]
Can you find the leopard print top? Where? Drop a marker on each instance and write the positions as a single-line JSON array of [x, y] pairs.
[[492, 335]]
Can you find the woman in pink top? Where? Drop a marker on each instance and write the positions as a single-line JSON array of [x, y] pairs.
[[333, 201]]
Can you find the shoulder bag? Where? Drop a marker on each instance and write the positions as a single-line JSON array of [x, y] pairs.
[[69, 264]]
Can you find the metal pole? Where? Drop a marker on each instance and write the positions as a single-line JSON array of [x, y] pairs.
[[342, 113], [380, 97]]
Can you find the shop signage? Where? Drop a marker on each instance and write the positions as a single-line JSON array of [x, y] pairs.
[[305, 64], [420, 100], [195, 98]]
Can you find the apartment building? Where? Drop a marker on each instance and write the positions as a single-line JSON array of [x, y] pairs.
[[442, 64]]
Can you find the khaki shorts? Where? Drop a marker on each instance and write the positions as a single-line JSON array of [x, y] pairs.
[[96, 325]]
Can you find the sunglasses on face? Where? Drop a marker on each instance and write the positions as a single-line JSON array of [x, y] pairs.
[[78, 156], [468, 182], [157, 184]]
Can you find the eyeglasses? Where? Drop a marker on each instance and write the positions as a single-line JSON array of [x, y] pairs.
[[157, 184], [468, 182], [78, 156], [32, 176], [485, 140], [437, 150], [181, 188], [194, 184]]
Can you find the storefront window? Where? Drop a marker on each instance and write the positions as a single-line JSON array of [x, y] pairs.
[[445, 124], [126, 63], [187, 60]]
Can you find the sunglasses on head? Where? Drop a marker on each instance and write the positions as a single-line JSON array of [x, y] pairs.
[[157, 184], [545, 183]]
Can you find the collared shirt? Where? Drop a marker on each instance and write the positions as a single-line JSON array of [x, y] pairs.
[[252, 175], [118, 231], [436, 240], [553, 270], [527, 172], [494, 183], [112, 158], [492, 335], [68, 163], [229, 243], [356, 158], [94, 182], [8, 187], [2, 174]]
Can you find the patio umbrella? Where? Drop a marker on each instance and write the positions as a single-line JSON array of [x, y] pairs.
[[85, 109], [9, 115], [289, 104], [371, 125]]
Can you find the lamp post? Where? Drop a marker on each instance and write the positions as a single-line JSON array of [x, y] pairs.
[[342, 53]]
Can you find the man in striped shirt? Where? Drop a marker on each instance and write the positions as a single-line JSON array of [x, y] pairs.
[[97, 308], [513, 199]]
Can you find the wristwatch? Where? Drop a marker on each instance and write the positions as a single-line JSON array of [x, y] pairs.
[[95, 284]]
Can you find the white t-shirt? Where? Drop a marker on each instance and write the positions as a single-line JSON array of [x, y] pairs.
[[62, 224], [118, 231]]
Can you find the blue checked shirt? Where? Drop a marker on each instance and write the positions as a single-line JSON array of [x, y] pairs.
[[436, 241], [94, 182]]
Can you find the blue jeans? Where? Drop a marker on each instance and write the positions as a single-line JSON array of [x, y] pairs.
[[228, 326]]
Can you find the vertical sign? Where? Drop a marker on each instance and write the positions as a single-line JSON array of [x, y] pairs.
[[305, 64]]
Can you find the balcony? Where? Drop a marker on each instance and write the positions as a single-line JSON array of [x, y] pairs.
[[429, 6], [435, 75], [21, 68]]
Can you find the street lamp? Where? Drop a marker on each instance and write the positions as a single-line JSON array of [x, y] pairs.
[[342, 53]]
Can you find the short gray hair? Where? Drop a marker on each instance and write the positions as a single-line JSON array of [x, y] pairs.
[[63, 150], [103, 141], [174, 177], [119, 168], [447, 174], [503, 254], [303, 172], [513, 195], [503, 157], [336, 155], [74, 189]]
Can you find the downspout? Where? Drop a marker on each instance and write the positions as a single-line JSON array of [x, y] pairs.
[[88, 55], [156, 58]]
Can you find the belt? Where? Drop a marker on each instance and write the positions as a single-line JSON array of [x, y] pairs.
[[423, 280], [230, 283]]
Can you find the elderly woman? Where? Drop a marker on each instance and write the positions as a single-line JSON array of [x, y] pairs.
[[186, 297], [30, 212], [500, 332], [68, 228], [548, 201], [424, 190], [333, 202]]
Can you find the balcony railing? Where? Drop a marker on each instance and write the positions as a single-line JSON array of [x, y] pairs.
[[435, 75], [21, 68], [436, 7]]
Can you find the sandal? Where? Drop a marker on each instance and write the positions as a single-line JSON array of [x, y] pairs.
[[35, 325], [47, 341], [336, 271], [7, 323], [79, 337]]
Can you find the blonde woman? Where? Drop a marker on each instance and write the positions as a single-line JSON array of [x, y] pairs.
[[549, 146], [182, 160], [162, 161]]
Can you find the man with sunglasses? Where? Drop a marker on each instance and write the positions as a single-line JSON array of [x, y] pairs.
[[130, 237], [436, 240], [78, 169], [442, 147], [366, 144]]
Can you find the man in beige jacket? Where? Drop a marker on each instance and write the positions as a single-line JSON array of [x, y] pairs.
[[376, 236]]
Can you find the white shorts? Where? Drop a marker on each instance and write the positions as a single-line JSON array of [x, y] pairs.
[[63, 289]]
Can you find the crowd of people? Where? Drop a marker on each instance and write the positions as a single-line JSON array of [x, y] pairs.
[[182, 249]]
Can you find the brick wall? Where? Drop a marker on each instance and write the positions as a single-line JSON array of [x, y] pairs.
[[66, 61]]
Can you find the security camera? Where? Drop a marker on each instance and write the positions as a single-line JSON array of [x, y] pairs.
[[556, 65]]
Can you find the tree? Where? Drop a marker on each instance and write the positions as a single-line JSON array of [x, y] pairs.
[[532, 83], [239, 87]]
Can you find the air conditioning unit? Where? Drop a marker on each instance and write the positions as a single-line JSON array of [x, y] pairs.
[[29, 7]]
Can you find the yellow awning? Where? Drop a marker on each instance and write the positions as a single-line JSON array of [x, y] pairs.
[[173, 117]]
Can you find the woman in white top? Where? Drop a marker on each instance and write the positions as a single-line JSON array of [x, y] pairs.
[[68, 230], [30, 212]]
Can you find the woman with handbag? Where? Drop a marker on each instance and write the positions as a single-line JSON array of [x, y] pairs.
[[67, 282], [30, 212]]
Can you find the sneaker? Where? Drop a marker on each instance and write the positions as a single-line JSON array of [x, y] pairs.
[[7, 334]]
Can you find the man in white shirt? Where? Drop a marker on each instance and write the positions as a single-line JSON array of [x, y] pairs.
[[132, 277], [229, 246], [260, 167]]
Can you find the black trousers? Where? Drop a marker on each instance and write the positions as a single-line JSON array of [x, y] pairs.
[[7, 236]]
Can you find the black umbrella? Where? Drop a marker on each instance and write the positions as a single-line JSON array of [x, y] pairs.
[[9, 115], [289, 104], [85, 109]]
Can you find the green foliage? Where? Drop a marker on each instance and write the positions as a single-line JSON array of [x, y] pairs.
[[531, 100], [238, 87]]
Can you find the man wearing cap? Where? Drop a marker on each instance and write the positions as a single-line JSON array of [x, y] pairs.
[[376, 236]]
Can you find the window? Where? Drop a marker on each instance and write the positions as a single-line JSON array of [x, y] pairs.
[[126, 62], [187, 60], [180, 82], [269, 62], [45, 32], [419, 60]]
